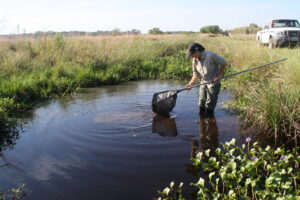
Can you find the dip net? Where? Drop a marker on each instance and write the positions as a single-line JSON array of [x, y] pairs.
[[164, 102]]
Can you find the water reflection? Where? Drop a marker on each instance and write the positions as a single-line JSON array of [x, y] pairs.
[[9, 134], [129, 89], [209, 137], [164, 126], [108, 138]]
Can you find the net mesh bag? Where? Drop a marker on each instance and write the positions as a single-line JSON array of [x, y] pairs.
[[164, 102]]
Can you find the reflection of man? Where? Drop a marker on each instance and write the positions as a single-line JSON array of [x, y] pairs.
[[164, 126], [208, 133]]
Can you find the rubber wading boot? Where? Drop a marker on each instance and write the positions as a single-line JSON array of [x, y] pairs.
[[209, 116], [202, 112]]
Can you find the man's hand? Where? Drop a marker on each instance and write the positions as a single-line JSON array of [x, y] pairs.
[[192, 81], [188, 86], [216, 79]]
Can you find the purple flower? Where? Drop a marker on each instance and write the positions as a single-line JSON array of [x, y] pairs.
[[254, 158], [248, 139], [283, 158]]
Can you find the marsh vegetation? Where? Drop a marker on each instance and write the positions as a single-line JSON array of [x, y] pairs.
[[36, 69]]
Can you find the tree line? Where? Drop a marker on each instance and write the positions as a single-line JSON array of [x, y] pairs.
[[211, 29], [215, 29]]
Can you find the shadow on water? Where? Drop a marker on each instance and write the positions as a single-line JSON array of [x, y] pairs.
[[164, 126]]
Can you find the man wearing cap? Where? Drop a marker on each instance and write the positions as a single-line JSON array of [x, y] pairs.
[[210, 67]]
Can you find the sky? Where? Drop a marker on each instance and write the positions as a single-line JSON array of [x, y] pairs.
[[19, 16]]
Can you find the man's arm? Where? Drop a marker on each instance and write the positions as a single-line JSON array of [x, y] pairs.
[[192, 81], [222, 63], [220, 74]]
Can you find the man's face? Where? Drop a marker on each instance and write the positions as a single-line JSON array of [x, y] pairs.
[[197, 54]]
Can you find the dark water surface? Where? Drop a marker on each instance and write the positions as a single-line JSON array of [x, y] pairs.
[[106, 143]]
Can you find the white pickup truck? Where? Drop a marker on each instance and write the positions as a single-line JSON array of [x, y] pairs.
[[280, 32]]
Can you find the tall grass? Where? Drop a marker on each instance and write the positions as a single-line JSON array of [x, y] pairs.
[[268, 98], [36, 69]]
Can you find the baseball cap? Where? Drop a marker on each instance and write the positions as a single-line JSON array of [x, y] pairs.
[[192, 48]]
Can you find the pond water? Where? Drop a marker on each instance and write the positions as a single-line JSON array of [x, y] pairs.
[[106, 143]]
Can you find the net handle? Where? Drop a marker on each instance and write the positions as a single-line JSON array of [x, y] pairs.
[[224, 77]]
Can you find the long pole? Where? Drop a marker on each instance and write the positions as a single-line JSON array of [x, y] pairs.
[[224, 77]]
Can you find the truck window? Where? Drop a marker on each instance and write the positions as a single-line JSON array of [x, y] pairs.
[[285, 23]]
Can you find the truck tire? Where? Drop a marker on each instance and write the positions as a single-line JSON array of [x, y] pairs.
[[259, 44], [271, 43]]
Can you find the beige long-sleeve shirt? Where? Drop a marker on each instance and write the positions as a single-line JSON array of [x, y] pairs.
[[208, 66]]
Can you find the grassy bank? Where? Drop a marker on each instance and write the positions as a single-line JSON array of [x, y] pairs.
[[37, 69], [32, 70], [267, 98]]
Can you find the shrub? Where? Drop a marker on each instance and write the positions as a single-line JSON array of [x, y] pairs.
[[155, 31], [211, 29]]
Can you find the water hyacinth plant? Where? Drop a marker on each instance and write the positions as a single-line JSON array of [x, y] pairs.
[[236, 173], [14, 194], [248, 139]]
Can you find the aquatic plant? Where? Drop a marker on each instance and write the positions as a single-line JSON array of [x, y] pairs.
[[235, 173], [13, 194]]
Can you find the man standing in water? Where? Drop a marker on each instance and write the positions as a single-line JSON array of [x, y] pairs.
[[210, 67]]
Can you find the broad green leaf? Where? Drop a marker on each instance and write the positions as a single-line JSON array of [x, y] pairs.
[[217, 181], [255, 144], [212, 160], [283, 171], [200, 191], [231, 151], [232, 164], [201, 182], [231, 193], [199, 155], [207, 152], [286, 186], [222, 174], [180, 185], [247, 182], [243, 146], [278, 150], [211, 175], [171, 184], [232, 142], [167, 191]]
